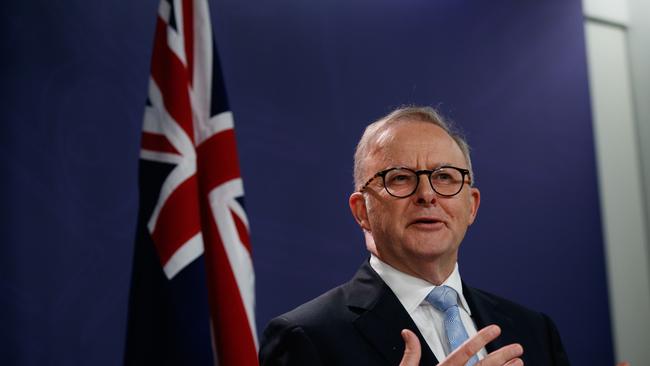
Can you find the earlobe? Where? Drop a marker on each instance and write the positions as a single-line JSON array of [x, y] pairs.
[[359, 210]]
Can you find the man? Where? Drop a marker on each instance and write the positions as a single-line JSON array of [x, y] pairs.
[[414, 202]]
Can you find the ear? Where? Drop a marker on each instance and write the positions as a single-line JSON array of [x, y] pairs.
[[475, 201], [359, 210]]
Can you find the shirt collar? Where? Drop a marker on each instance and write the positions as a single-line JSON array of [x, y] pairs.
[[412, 291]]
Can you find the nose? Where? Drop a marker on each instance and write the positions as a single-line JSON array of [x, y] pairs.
[[424, 194]]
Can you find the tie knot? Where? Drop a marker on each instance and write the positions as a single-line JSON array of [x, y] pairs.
[[442, 298]]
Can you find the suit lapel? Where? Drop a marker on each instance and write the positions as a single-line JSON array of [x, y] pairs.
[[382, 317], [485, 311]]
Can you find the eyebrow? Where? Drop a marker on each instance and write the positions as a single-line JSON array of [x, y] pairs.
[[442, 164], [437, 166]]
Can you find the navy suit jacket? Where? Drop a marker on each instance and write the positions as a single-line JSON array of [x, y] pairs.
[[359, 323]]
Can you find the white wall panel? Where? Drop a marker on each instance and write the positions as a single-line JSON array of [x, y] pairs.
[[613, 11], [621, 190]]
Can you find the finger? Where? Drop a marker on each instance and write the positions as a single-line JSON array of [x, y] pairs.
[[471, 346], [412, 349], [515, 362], [625, 363], [503, 355]]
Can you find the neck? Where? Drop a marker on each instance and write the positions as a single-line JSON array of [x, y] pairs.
[[435, 272]]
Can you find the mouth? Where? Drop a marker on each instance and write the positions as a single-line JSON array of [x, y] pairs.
[[427, 223]]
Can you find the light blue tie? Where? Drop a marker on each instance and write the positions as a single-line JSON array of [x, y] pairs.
[[445, 299]]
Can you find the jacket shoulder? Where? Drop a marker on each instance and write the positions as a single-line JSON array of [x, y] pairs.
[[323, 331]]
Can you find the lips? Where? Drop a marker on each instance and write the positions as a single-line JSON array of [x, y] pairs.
[[427, 221]]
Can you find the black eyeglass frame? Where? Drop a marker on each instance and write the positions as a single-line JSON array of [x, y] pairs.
[[418, 173]]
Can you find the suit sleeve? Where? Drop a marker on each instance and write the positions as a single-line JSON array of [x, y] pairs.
[[286, 344], [558, 353]]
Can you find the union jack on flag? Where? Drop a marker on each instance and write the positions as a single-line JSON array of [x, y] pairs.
[[192, 292]]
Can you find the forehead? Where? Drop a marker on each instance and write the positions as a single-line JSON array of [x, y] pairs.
[[415, 144]]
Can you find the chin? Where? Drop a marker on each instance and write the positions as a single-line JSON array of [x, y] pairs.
[[432, 252]]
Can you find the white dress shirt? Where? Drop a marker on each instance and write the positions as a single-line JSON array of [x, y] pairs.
[[412, 291]]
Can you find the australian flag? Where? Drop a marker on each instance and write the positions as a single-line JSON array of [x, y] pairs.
[[192, 292]]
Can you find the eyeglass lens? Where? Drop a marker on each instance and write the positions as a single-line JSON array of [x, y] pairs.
[[403, 182]]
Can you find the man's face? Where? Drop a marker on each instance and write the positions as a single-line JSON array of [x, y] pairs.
[[424, 229]]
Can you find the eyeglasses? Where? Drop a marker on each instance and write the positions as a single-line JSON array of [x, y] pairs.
[[402, 182]]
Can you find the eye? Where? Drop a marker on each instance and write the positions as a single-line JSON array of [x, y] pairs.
[[399, 177], [445, 176]]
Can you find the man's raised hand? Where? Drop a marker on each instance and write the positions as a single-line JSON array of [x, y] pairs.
[[504, 356]]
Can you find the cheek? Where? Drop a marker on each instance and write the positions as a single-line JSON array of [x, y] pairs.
[[464, 206], [384, 217], [375, 216], [459, 212]]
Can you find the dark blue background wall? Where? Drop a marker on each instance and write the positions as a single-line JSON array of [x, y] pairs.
[[304, 78]]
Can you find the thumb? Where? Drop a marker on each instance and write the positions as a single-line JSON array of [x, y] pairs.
[[412, 349]]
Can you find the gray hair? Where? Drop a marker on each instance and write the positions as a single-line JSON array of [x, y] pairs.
[[404, 114]]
